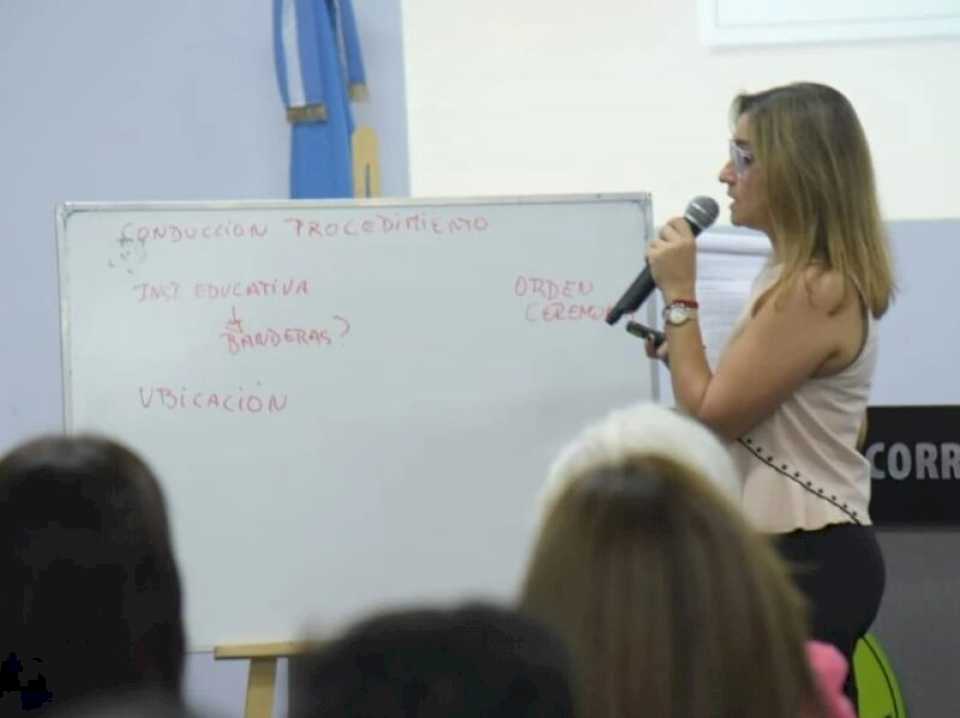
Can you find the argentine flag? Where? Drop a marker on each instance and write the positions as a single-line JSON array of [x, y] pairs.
[[319, 70]]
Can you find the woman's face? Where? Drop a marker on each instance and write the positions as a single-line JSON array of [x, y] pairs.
[[745, 181]]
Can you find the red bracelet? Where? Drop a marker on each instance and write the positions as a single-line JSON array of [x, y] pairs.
[[689, 303]]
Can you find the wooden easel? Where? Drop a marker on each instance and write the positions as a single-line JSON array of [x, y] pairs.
[[262, 680]]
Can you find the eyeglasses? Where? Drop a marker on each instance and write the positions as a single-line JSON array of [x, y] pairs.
[[740, 158]]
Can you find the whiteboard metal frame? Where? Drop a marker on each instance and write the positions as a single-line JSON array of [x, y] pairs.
[[66, 210], [715, 35]]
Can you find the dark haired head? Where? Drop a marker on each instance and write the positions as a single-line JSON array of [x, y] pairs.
[[90, 596], [475, 662]]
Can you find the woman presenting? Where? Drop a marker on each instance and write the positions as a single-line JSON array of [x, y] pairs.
[[791, 388]]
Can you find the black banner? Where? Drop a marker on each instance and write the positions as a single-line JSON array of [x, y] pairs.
[[914, 452]]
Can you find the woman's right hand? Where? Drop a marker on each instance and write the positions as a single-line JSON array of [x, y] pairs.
[[657, 352]]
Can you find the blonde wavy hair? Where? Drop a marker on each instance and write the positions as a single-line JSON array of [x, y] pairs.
[[820, 187]]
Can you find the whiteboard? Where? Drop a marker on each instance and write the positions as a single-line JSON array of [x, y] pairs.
[[349, 404]]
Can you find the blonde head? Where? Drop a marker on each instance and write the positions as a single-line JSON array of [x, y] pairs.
[[820, 187], [648, 429], [671, 604]]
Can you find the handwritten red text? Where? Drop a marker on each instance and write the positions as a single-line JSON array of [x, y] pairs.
[[551, 289], [146, 292], [564, 311], [230, 402], [178, 232], [418, 223], [238, 340], [563, 300], [163, 292], [259, 288]]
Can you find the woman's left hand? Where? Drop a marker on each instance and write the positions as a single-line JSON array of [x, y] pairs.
[[672, 258]]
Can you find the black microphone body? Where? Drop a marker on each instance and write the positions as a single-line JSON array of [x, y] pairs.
[[700, 214]]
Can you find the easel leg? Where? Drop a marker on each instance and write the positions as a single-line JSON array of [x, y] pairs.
[[260, 687]]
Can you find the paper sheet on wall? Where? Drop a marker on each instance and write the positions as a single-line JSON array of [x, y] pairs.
[[727, 264]]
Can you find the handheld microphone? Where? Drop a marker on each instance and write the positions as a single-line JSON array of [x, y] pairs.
[[700, 214]]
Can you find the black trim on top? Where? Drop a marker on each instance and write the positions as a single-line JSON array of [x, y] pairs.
[[795, 476]]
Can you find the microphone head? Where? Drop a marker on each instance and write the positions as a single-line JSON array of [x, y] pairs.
[[702, 212]]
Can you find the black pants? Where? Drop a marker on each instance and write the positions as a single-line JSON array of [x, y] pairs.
[[840, 570]]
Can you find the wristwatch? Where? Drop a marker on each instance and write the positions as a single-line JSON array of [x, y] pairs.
[[680, 311]]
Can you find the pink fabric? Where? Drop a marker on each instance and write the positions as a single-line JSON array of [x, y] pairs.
[[829, 669]]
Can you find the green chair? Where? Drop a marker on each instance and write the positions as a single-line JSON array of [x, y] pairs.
[[878, 691]]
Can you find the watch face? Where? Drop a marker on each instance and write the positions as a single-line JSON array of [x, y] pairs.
[[676, 313]]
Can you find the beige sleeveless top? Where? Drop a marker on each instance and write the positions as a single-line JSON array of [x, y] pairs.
[[800, 465]]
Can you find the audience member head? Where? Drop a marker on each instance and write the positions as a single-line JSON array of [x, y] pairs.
[[473, 662], [90, 597], [135, 704], [671, 604]]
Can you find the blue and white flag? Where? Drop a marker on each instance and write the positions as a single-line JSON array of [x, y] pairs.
[[319, 69]]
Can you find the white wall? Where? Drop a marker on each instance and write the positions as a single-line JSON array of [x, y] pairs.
[[619, 95]]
